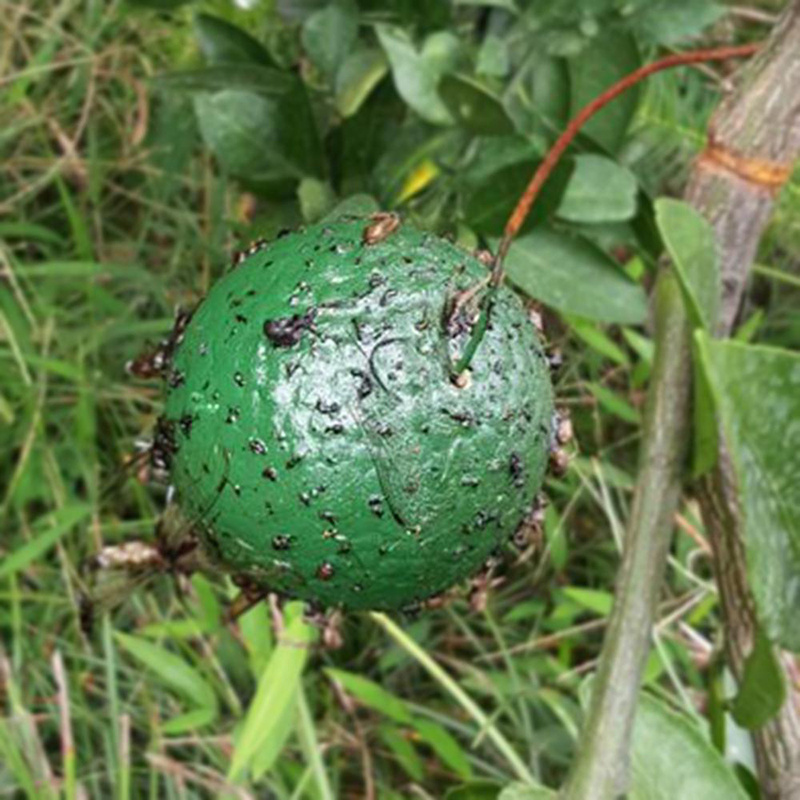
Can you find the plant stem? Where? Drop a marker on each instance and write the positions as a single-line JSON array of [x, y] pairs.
[[600, 769]]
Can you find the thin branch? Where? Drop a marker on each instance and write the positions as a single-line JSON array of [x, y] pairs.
[[548, 164]]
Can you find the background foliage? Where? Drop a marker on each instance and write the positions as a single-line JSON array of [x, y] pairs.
[[141, 143]]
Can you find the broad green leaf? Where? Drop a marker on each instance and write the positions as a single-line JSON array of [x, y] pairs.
[[495, 153], [266, 720], [668, 22], [493, 58], [372, 695], [521, 791], [356, 205], [445, 746], [672, 759], [252, 78], [221, 42], [489, 204], [46, 533], [474, 107], [316, 198], [575, 277], [417, 73], [298, 10], [691, 244], [763, 689], [329, 34], [596, 68], [756, 390], [600, 190], [538, 97], [176, 673], [357, 77], [257, 138]]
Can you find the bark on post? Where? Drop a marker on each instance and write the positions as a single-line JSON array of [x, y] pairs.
[[754, 140]]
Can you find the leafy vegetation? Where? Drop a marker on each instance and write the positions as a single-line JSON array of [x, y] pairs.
[[142, 143]]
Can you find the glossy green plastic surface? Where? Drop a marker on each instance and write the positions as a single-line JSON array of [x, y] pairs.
[[321, 449]]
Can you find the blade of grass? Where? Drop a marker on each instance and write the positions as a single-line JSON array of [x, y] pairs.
[[265, 722], [461, 697], [308, 739]]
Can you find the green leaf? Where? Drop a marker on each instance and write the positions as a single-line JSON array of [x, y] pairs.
[[174, 672], [691, 244], [594, 600], [266, 720], [190, 721], [598, 66], [263, 81], [668, 22], [158, 5], [257, 635], [372, 695], [489, 204], [360, 73], [316, 198], [474, 107], [54, 526], [597, 340], [417, 73], [493, 58], [359, 205], [329, 34], [223, 43], [672, 759], [600, 190], [757, 395], [445, 746], [613, 403], [763, 690], [260, 139], [538, 97], [521, 791], [507, 5], [475, 790], [298, 10], [575, 277], [705, 430], [404, 752]]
